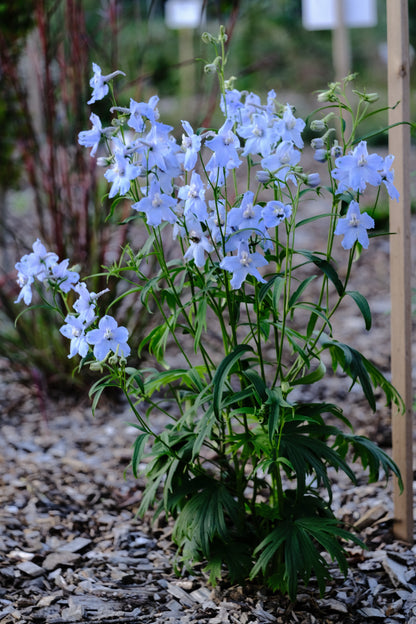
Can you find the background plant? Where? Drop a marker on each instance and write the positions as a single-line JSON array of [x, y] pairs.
[[245, 318]]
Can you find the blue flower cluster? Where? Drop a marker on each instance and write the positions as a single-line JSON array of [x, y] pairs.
[[146, 161], [44, 266], [172, 190]]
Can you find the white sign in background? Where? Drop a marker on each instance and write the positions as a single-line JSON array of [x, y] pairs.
[[322, 14]]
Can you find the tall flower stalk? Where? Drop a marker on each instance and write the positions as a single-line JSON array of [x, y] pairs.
[[242, 466]]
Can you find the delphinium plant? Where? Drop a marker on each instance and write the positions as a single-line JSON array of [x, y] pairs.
[[245, 316]]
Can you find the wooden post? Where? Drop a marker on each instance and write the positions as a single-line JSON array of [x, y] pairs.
[[400, 266]]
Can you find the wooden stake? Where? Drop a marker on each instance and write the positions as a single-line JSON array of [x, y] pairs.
[[400, 266]]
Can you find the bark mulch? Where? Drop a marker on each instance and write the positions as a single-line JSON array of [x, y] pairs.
[[73, 550]]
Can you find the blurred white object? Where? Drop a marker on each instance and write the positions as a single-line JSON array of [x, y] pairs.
[[322, 14], [184, 13]]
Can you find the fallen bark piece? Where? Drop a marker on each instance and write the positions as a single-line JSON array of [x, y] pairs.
[[30, 568]]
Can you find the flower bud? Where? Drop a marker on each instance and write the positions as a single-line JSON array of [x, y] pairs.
[[210, 68], [263, 177], [103, 161], [366, 97], [318, 125], [320, 155], [313, 180], [317, 143], [223, 35], [208, 38], [336, 150]]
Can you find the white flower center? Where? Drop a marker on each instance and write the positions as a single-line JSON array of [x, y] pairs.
[[194, 236], [278, 211], [248, 212], [76, 333], [193, 191], [228, 139], [257, 131], [363, 161], [108, 334], [354, 221], [245, 259], [156, 201], [186, 142]]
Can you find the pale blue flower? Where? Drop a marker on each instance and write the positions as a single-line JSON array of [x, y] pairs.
[[290, 128], [140, 111], [274, 212], [243, 264], [224, 145], [108, 337], [282, 161], [387, 177], [260, 137], [247, 217], [98, 83], [91, 138], [157, 206], [65, 278], [86, 303], [191, 144], [198, 243], [121, 174], [231, 106], [74, 330], [194, 196], [357, 169], [354, 227]]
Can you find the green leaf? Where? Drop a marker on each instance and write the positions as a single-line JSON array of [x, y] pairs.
[[138, 450], [326, 268], [311, 377], [295, 296], [363, 306], [221, 374]]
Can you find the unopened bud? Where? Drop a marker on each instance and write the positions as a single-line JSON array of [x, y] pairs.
[[318, 125], [223, 35], [336, 150], [317, 143], [366, 97], [313, 180], [208, 38], [263, 177], [320, 155]]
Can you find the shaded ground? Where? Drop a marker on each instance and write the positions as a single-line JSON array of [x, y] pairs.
[[71, 549]]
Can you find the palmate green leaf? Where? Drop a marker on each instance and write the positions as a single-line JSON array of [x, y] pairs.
[[356, 366], [306, 448], [373, 458], [204, 515], [363, 306], [220, 377], [274, 402]]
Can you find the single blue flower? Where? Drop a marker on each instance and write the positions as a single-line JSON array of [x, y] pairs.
[[108, 337], [274, 212], [357, 169], [121, 174], [290, 128], [194, 196], [387, 177], [157, 206], [74, 330], [198, 243], [224, 145], [64, 277], [98, 83], [191, 144], [354, 227], [281, 162], [243, 264], [91, 138], [260, 136]]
